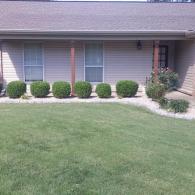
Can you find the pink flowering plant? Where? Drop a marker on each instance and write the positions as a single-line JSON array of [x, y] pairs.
[[169, 78]]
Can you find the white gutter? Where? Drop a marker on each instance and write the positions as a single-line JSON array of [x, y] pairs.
[[92, 32]]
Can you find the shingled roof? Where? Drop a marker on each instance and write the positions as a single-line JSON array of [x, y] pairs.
[[95, 16]]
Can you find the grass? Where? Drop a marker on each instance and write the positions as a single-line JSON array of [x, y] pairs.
[[106, 149]]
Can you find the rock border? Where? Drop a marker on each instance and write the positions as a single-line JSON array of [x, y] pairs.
[[140, 100]]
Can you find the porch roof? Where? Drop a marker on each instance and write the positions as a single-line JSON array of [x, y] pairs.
[[106, 19]]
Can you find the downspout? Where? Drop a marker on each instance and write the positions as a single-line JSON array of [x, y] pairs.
[[156, 60], [73, 66], [1, 62]]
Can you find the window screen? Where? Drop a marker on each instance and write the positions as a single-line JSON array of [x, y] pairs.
[[33, 62], [94, 62]]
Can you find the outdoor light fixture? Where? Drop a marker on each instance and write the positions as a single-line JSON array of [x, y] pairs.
[[139, 45]]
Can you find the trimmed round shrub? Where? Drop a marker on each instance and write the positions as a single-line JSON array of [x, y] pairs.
[[126, 88], [155, 91], [61, 89], [39, 89], [103, 90], [83, 89], [16, 89], [178, 105]]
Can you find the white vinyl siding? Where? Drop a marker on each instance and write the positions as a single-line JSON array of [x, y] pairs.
[[57, 61], [94, 62], [120, 60], [185, 64], [123, 61], [33, 62], [12, 58]]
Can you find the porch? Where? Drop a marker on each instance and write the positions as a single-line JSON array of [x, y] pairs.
[[96, 61]]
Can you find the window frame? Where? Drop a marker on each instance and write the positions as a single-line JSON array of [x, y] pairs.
[[43, 60], [87, 66]]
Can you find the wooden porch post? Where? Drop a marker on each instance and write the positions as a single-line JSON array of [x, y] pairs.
[[73, 67], [156, 60]]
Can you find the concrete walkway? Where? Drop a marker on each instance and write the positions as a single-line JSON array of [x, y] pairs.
[[140, 100]]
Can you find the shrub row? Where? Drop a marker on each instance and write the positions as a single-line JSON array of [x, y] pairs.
[[61, 89]]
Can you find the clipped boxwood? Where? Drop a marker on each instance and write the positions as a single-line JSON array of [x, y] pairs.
[[39, 89], [155, 91], [16, 89], [178, 105], [103, 90], [126, 88], [61, 89], [83, 89]]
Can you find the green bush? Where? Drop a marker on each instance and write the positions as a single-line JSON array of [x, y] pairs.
[[39, 89], [178, 105], [155, 91], [16, 89], [169, 79], [103, 90], [61, 89], [83, 89], [164, 102], [126, 88]]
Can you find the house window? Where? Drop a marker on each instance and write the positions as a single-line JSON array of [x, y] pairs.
[[94, 62], [163, 56], [33, 62]]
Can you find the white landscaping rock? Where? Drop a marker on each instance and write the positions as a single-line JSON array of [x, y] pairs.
[[140, 100]]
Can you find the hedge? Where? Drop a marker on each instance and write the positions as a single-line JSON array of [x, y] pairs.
[[16, 89], [39, 89], [103, 90], [61, 89], [83, 89], [126, 88]]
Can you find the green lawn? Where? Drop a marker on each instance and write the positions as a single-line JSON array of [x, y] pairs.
[[87, 149]]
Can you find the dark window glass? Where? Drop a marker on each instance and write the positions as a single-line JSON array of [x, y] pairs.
[[163, 56]]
